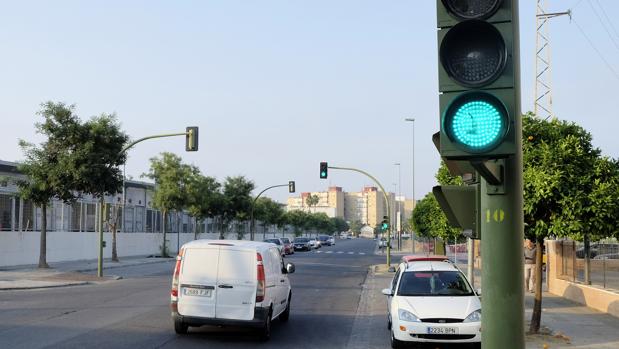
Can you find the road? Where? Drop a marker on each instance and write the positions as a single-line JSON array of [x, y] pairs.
[[134, 312]]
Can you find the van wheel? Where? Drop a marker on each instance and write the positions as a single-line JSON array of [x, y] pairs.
[[265, 334], [284, 316], [180, 327]]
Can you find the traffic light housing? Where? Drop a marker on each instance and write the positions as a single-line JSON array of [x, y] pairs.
[[477, 81], [324, 170], [191, 138], [461, 204], [384, 226], [291, 188]]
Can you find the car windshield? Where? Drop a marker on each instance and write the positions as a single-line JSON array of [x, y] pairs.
[[301, 240], [323, 238], [285, 240], [273, 241], [434, 283]]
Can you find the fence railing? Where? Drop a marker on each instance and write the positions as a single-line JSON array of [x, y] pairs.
[[604, 262]]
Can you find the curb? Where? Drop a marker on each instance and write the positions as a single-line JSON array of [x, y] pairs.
[[163, 260], [78, 283]]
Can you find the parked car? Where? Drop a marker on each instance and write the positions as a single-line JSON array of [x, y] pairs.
[[382, 242], [301, 244], [324, 240], [235, 283], [315, 243], [414, 258], [288, 247], [279, 243], [607, 256], [432, 301], [332, 241]]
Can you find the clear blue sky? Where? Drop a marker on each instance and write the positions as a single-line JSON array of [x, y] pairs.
[[276, 86]]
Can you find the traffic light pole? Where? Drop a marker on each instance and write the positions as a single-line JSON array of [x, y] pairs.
[[386, 202], [252, 223], [101, 217], [502, 226]]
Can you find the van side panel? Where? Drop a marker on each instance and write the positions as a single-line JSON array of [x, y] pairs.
[[236, 284], [199, 271]]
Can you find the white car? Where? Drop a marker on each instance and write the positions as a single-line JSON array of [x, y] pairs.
[[228, 282], [432, 301], [315, 243]]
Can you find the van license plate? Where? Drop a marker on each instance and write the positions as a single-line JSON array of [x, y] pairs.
[[442, 330], [201, 292]]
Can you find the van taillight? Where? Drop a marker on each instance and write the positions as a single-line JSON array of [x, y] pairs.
[[260, 287], [177, 271]]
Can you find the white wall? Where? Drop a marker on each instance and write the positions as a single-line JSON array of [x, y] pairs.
[[20, 248]]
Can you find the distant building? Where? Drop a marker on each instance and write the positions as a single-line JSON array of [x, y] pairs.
[[366, 206]]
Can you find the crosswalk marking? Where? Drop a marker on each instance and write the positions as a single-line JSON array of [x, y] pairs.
[[329, 252], [361, 253], [340, 252], [351, 253]]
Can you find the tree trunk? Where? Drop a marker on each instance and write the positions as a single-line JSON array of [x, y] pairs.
[[536, 317], [114, 253], [195, 228], [221, 228], [43, 245], [164, 252], [587, 260]]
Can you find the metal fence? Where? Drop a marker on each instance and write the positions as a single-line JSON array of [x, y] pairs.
[[604, 262]]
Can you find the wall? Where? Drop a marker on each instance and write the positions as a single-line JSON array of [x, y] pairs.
[[22, 248], [591, 296]]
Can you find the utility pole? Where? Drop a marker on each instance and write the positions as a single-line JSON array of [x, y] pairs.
[[543, 77], [414, 202]]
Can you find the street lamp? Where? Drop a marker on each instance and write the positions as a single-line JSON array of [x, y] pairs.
[[414, 203], [399, 208]]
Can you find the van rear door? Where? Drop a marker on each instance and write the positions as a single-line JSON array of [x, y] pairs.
[[236, 284], [198, 281]]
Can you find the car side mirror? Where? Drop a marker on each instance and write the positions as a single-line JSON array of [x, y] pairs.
[[387, 292], [290, 268]]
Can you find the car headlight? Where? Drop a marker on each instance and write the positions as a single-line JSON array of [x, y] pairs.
[[474, 316], [406, 315]]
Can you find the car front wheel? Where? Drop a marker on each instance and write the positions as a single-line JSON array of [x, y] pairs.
[[395, 344]]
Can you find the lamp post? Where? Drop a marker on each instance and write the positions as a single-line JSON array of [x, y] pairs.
[[414, 202], [399, 207]]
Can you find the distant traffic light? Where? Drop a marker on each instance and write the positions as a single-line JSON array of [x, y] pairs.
[[477, 79], [385, 223], [191, 139], [324, 167], [291, 188]]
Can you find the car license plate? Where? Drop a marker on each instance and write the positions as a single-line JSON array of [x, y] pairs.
[[442, 330], [200, 292]]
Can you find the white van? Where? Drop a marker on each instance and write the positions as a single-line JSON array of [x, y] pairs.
[[230, 282]]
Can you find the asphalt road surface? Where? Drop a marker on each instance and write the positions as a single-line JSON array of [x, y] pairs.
[[134, 312]]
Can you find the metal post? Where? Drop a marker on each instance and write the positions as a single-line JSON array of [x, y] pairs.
[[502, 230], [100, 228], [414, 203], [470, 270], [252, 222]]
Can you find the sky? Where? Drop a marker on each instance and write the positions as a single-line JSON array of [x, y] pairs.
[[278, 86]]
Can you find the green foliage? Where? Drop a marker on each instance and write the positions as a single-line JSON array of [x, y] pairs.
[[340, 224], [355, 227], [172, 178], [268, 211], [312, 200], [570, 189], [237, 198]]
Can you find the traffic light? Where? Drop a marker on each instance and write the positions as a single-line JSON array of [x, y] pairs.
[[461, 204], [324, 170], [385, 223], [191, 138], [477, 79], [291, 188]]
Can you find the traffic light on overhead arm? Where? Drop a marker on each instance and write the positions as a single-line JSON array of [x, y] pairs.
[[477, 80], [191, 139], [324, 170], [291, 188]]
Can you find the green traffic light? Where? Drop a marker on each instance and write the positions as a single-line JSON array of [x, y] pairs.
[[323, 174], [476, 121]]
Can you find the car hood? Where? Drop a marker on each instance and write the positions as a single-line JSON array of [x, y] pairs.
[[440, 307]]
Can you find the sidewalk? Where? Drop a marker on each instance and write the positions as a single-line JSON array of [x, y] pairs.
[[63, 274], [565, 324]]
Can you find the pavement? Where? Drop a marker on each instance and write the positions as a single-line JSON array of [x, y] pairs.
[[565, 324], [63, 274]]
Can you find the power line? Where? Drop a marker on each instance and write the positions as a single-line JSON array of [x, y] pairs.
[[607, 19], [604, 25], [596, 50]]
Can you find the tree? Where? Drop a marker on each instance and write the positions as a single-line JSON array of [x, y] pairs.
[[340, 224], [49, 167], [267, 211], [171, 177], [238, 200], [569, 189], [312, 200], [355, 227], [100, 158], [203, 197], [297, 219]]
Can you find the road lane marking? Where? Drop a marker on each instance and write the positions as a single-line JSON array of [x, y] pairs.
[[362, 253], [339, 252], [351, 253], [329, 252]]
